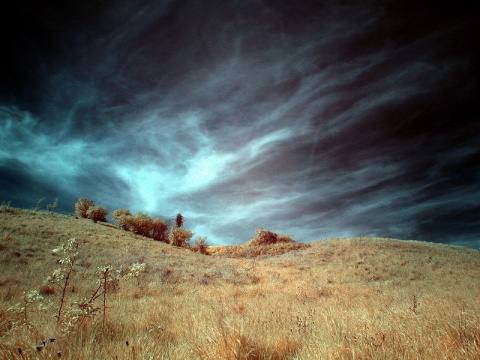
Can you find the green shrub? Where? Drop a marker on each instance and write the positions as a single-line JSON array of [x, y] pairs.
[[97, 213], [179, 236], [82, 206]]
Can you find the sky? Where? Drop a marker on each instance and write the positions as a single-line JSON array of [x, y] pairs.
[[317, 119]]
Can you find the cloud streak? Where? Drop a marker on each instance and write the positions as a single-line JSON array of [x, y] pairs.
[[316, 121]]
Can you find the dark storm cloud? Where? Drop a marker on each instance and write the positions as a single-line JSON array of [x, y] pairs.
[[318, 121]]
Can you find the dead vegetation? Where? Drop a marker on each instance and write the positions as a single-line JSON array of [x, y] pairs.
[[337, 299]]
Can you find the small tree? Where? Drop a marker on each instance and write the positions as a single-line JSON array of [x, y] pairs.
[[179, 220], [82, 206], [97, 213], [179, 236]]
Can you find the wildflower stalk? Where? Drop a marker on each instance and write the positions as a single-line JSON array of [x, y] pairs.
[[88, 310], [105, 281], [61, 277], [65, 286]]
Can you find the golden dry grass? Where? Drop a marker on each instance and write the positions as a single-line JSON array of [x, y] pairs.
[[338, 299]]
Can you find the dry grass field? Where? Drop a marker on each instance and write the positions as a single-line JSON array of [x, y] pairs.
[[356, 298]]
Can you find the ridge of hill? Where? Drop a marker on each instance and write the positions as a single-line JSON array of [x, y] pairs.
[[337, 298]]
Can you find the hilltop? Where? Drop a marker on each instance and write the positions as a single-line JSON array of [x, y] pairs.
[[332, 299]]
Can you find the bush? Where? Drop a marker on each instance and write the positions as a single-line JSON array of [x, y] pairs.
[[82, 206], [117, 214], [265, 237], [179, 236], [123, 217], [47, 289], [97, 213], [141, 224], [126, 223], [285, 239], [159, 229], [200, 245]]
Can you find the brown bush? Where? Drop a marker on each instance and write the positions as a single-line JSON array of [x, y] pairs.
[[141, 224], [47, 289], [82, 206], [117, 214], [285, 239], [124, 219], [159, 229], [97, 213], [179, 236], [200, 245], [265, 237]]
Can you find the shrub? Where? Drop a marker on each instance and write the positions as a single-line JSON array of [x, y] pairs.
[[82, 206], [285, 239], [265, 237], [200, 245], [159, 229], [123, 217], [141, 224], [119, 213], [47, 290], [179, 236], [97, 213], [126, 223]]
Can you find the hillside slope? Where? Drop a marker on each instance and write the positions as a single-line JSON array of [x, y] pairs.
[[335, 299]]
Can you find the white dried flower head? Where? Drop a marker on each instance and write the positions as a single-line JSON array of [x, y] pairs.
[[101, 270], [69, 245], [43, 306], [57, 275], [16, 307], [32, 296], [136, 269]]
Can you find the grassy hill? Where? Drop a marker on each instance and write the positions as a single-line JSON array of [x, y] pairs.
[[129, 297]]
